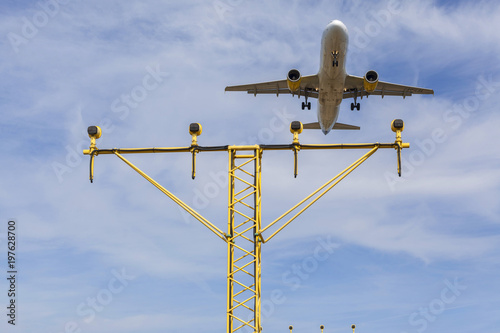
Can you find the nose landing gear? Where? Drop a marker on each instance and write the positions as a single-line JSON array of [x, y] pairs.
[[335, 62]]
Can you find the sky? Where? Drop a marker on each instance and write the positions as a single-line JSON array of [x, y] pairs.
[[415, 254]]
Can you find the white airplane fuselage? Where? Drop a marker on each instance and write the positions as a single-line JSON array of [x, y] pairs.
[[332, 78]]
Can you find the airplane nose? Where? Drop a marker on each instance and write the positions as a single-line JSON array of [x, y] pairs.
[[338, 24], [325, 132]]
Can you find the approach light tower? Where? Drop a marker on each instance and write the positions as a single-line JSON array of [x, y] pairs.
[[245, 233]]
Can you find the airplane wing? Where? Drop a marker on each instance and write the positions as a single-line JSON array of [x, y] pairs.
[[356, 83], [308, 83]]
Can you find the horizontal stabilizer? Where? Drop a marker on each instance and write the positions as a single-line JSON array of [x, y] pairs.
[[312, 126], [340, 126], [337, 126]]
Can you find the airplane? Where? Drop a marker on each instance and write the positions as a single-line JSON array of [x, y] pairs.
[[332, 84]]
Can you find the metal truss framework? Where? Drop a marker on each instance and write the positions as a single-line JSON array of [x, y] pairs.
[[243, 246], [245, 237]]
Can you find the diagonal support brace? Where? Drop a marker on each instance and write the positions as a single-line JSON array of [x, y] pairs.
[[178, 201]]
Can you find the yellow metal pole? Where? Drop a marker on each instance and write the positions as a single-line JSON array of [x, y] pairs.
[[257, 239], [230, 251]]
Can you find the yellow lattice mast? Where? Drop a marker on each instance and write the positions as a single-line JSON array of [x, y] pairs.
[[243, 282], [245, 233]]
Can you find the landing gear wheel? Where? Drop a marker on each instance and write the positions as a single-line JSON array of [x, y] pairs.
[[358, 106], [352, 106], [309, 106], [335, 63], [303, 105]]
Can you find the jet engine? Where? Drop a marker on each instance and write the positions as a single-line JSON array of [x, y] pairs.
[[293, 80], [371, 80]]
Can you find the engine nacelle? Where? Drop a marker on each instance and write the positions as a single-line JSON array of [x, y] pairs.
[[371, 80], [293, 80]]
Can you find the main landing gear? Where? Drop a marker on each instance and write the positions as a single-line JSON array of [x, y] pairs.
[[355, 105], [306, 104], [335, 62]]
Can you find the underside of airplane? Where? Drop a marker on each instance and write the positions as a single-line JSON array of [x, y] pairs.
[[332, 84]]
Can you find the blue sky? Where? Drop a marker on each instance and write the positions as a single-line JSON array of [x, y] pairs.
[[410, 255]]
